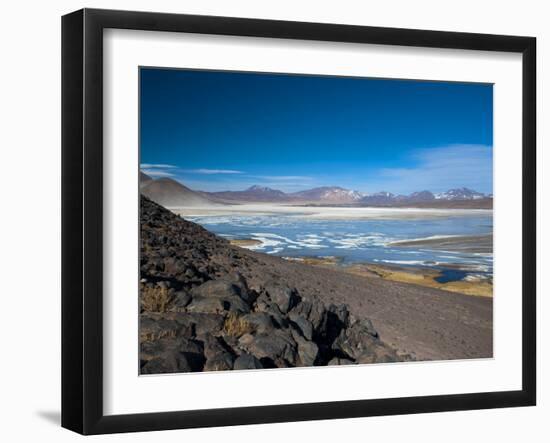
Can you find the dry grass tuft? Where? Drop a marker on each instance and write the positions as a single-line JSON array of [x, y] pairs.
[[236, 326], [155, 299]]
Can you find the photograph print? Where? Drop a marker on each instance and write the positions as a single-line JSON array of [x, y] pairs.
[[294, 220]]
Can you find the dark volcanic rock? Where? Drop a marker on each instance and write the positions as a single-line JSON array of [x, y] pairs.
[[360, 339], [180, 300], [154, 327], [217, 288], [276, 347], [247, 361], [305, 326], [204, 323], [193, 351], [206, 305], [183, 353], [162, 365], [281, 295], [261, 322], [213, 345], [314, 311], [210, 306], [308, 351], [219, 362]]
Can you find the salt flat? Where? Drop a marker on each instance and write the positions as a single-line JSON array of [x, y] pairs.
[[328, 213]]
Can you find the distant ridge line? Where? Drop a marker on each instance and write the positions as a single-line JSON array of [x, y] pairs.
[[172, 193]]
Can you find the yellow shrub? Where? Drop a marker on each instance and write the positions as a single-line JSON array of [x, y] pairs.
[[236, 326], [155, 299]]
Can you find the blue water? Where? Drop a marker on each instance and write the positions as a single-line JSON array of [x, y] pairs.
[[354, 241], [448, 275]]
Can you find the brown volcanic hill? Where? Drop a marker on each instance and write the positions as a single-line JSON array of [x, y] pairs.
[[144, 179], [255, 193], [170, 193]]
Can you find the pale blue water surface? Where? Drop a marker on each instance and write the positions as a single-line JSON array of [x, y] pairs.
[[357, 241]]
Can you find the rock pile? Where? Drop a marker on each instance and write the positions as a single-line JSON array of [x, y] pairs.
[[199, 313]]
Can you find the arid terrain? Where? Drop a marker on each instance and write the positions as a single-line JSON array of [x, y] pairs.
[[210, 305]]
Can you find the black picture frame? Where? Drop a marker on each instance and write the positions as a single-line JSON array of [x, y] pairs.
[[82, 218]]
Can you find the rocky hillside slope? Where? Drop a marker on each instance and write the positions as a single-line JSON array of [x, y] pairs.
[[207, 305]]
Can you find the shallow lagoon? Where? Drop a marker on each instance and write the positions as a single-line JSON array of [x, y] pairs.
[[355, 240]]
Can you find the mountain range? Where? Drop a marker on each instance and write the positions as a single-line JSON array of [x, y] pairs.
[[325, 194], [341, 196], [171, 193]]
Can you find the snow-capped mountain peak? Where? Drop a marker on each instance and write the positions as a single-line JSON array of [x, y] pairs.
[[258, 188], [334, 194], [459, 194], [338, 193]]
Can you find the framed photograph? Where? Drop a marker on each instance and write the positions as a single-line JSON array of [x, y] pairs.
[[269, 221]]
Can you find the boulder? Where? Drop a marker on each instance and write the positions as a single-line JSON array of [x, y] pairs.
[[280, 320], [337, 319], [247, 361], [303, 324], [245, 340], [277, 346], [232, 342], [261, 322], [262, 302], [342, 314], [151, 349], [235, 304], [217, 305], [222, 288], [190, 346], [213, 345], [346, 348], [203, 322], [222, 361], [193, 352], [308, 351], [314, 311], [281, 295], [206, 305], [249, 296], [155, 327], [160, 365], [166, 364], [354, 341], [179, 301], [364, 326]]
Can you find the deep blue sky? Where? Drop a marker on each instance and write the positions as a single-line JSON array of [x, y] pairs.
[[226, 130]]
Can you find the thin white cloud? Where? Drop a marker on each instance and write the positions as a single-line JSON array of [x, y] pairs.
[[156, 166], [157, 173], [212, 171]]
